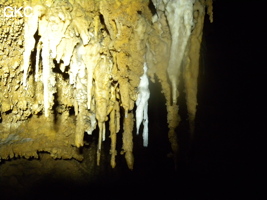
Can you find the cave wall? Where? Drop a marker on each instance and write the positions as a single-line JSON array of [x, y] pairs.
[[75, 67]]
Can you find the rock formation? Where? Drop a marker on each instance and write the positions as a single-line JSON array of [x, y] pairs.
[[71, 67]]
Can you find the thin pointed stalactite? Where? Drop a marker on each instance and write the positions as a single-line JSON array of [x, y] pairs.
[[191, 65], [113, 138], [127, 140], [114, 124]]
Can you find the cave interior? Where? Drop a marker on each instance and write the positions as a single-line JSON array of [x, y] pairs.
[[221, 160]]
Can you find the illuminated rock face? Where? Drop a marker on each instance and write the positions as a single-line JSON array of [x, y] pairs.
[[73, 66]]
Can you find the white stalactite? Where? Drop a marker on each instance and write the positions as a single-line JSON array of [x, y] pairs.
[[180, 19], [48, 78], [142, 105], [91, 58], [37, 74]]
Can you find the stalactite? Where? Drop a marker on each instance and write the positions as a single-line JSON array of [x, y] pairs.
[[191, 67], [31, 26], [180, 21], [37, 63], [80, 94], [210, 9], [91, 58], [142, 105], [48, 78], [128, 140], [179, 16], [113, 137], [102, 96], [114, 129]]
